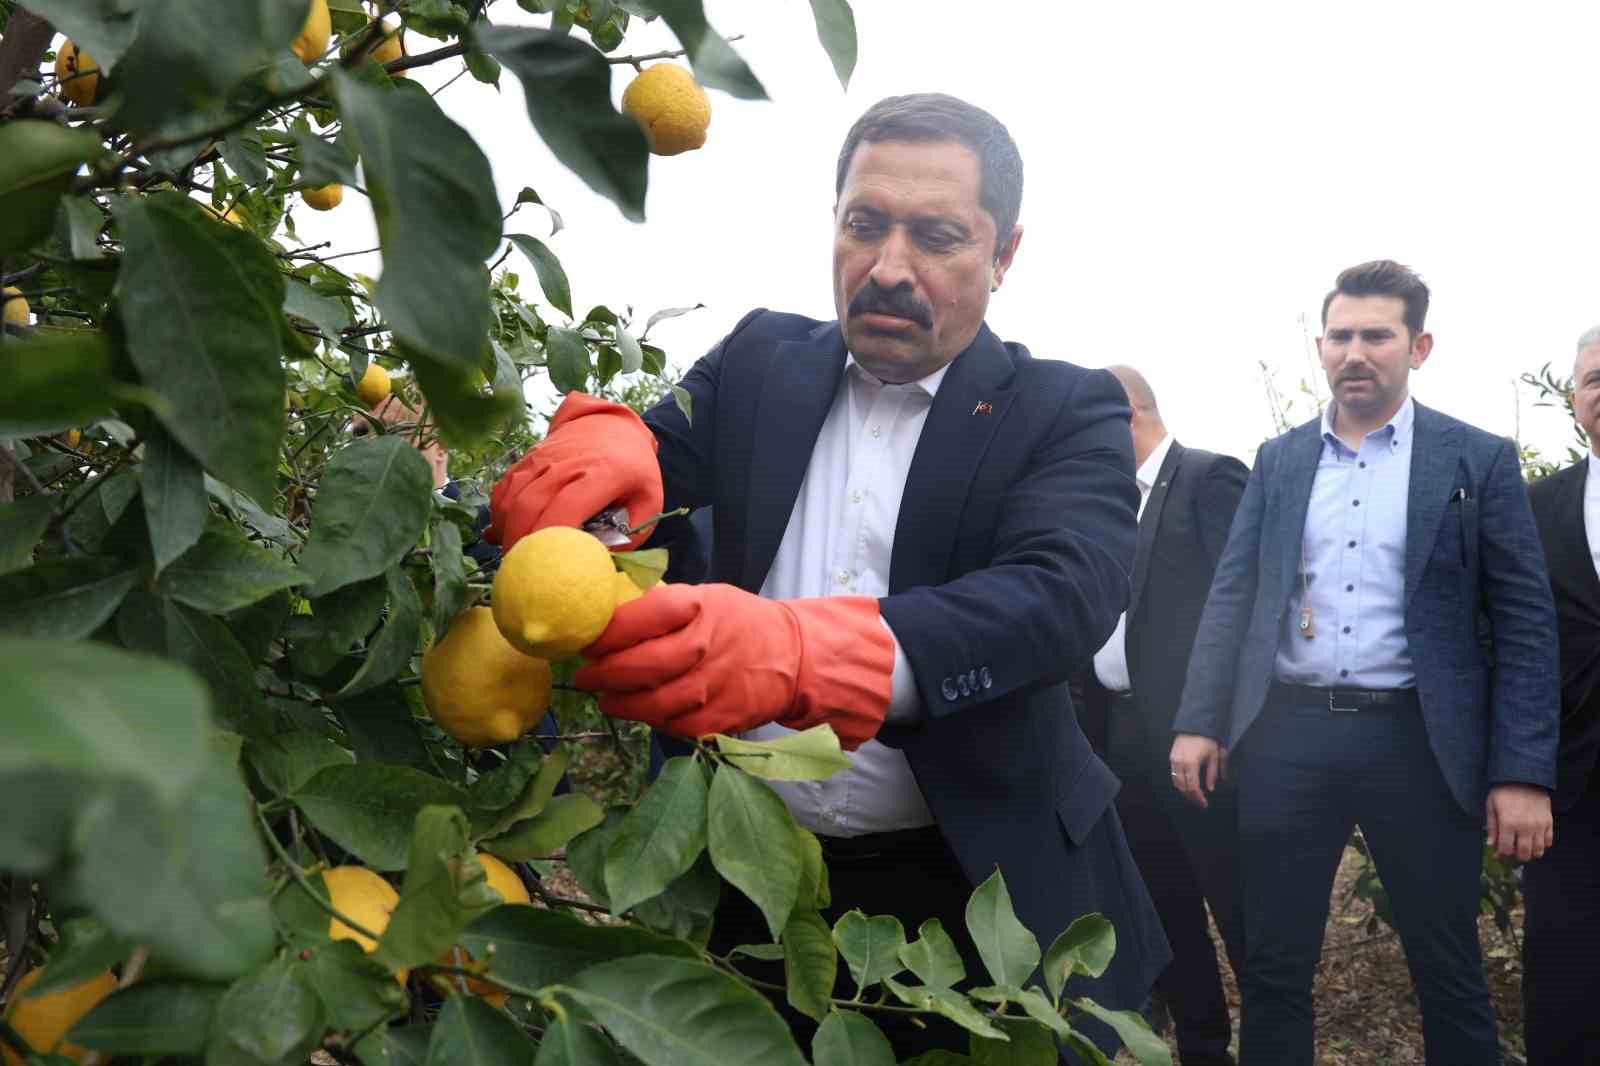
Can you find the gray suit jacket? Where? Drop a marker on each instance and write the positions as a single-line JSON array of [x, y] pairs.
[[1479, 618]]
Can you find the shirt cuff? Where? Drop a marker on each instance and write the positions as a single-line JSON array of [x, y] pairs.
[[905, 703]]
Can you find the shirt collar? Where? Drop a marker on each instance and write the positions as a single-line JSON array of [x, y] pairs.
[[928, 385], [1400, 424], [1591, 481], [1150, 469]]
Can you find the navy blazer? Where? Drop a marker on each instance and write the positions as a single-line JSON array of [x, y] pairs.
[[1010, 566], [1480, 623]]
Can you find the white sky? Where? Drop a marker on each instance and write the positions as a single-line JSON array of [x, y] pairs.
[[1195, 177]]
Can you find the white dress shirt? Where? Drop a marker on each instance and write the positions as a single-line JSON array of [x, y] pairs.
[[1111, 661], [838, 542], [1591, 511]]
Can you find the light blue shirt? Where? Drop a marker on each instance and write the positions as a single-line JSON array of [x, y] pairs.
[[1354, 564]]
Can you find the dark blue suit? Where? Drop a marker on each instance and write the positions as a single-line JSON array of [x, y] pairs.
[[1010, 566], [1480, 627]]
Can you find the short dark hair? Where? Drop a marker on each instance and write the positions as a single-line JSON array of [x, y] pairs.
[[938, 117], [1383, 277]]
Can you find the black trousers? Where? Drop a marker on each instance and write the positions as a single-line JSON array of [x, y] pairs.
[[1561, 940]]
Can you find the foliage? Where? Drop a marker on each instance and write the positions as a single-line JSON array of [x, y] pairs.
[[218, 573]]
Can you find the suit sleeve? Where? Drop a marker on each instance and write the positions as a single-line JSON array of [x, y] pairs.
[[1213, 663], [1217, 503], [1525, 697], [1058, 578]]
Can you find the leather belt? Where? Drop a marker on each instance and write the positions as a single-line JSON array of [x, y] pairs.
[[878, 845], [1347, 700]]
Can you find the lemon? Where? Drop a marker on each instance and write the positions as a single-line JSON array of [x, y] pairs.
[[555, 592], [366, 899], [390, 48], [16, 308], [627, 591], [323, 197], [43, 1020], [313, 39], [479, 688], [671, 106], [375, 385], [77, 73], [504, 881], [231, 216], [73, 437]]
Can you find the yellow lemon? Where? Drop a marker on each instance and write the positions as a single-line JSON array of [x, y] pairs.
[[375, 385], [231, 216], [555, 592], [671, 106], [43, 1020], [323, 197], [505, 881], [390, 48], [78, 74], [16, 308], [627, 591], [73, 437], [313, 39], [364, 897], [479, 688]]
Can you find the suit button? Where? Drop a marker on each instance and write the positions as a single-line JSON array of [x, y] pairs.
[[966, 686], [985, 678], [948, 687]]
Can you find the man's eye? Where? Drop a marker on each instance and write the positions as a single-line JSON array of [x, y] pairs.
[[862, 227], [938, 242]]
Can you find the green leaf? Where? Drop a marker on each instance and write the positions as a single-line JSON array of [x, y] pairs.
[[870, 946], [1008, 950], [1085, 947], [390, 652], [225, 572], [469, 1032], [208, 646], [567, 1041], [82, 220], [552, 279], [533, 947], [810, 963], [434, 200], [948, 1004], [270, 1014], [328, 313], [484, 68], [174, 491], [322, 161], [22, 526], [88, 947], [846, 1038], [37, 161], [449, 574], [685, 402], [444, 889], [103, 28], [154, 1017], [809, 755], [64, 599], [379, 728], [751, 837], [567, 359], [933, 957], [286, 762], [1135, 1032], [243, 152], [466, 415], [687, 907], [672, 1012], [632, 355], [372, 506], [836, 29], [814, 892], [394, 1045], [535, 793], [566, 85], [716, 64], [1030, 1044], [200, 301], [356, 992], [337, 621], [50, 380], [369, 810], [1041, 1010], [660, 838], [645, 567], [547, 832]]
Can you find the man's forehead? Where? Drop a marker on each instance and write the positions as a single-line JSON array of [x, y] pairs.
[[942, 162], [1588, 360], [1360, 312]]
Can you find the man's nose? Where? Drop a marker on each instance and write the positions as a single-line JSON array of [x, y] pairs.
[[893, 267]]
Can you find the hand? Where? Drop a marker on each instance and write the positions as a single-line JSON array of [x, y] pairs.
[[1519, 822], [596, 456], [393, 412], [1196, 763], [697, 659]]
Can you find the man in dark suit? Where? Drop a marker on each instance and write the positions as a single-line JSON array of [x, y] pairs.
[[1561, 931], [1189, 856], [920, 532], [1340, 658]]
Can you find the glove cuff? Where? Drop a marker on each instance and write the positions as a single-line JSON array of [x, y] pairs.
[[846, 671]]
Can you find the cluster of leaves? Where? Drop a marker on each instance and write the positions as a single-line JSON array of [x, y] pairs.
[[215, 597]]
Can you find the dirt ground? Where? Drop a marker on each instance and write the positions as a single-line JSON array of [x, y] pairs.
[[1366, 1011]]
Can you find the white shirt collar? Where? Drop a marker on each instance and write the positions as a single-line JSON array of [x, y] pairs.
[[1401, 422], [1591, 482], [1150, 469], [929, 384]]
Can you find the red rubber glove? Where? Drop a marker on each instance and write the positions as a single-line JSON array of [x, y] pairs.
[[698, 659], [597, 455]]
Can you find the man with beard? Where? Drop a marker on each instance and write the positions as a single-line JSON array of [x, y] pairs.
[[1342, 662], [920, 533]]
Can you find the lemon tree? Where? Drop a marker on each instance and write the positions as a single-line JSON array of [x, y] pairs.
[[272, 769]]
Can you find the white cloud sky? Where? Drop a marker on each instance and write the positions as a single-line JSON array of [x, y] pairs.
[[1196, 176]]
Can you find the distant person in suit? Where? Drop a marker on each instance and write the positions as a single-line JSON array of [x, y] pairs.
[[1188, 856], [1341, 660], [1561, 931]]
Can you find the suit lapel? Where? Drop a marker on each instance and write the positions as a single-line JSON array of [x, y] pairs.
[[796, 394], [1435, 453], [968, 410], [1150, 521], [1299, 471], [1574, 566]]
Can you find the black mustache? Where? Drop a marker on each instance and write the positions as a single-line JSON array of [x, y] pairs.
[[899, 302]]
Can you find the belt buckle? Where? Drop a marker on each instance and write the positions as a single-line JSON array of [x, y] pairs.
[[1336, 708]]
